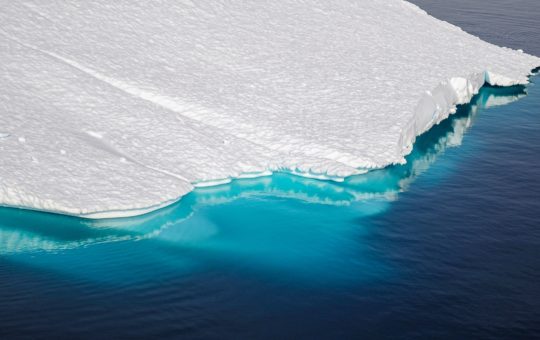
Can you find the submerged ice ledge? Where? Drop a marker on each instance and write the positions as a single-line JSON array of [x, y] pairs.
[[125, 119], [375, 189], [457, 91]]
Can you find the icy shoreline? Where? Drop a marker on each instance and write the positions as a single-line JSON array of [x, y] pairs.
[[321, 177], [467, 92], [105, 118]]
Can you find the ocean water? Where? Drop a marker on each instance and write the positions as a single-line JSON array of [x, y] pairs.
[[446, 246]]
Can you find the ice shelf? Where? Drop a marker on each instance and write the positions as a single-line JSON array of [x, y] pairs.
[[113, 109]]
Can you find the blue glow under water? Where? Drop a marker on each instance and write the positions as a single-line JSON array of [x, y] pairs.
[[446, 246]]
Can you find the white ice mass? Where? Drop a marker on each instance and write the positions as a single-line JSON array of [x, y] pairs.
[[116, 108]]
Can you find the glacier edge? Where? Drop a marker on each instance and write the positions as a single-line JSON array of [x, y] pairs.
[[461, 89], [318, 90]]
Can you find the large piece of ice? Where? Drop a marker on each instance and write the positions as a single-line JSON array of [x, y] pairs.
[[117, 108]]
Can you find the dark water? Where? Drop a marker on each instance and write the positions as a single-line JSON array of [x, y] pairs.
[[447, 246], [510, 23]]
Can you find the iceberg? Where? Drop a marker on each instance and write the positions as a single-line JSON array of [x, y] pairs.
[[117, 109], [23, 232], [178, 225]]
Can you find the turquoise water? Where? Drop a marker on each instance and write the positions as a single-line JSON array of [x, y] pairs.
[[305, 228], [446, 246], [285, 255]]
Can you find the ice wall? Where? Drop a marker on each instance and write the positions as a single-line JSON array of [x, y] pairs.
[[117, 108]]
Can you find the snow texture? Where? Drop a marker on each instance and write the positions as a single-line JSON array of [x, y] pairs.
[[117, 108]]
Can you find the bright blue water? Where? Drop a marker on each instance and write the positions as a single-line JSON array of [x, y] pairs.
[[446, 246]]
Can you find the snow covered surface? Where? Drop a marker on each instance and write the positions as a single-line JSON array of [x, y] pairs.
[[117, 108]]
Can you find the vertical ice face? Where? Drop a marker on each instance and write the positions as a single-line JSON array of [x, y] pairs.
[[111, 109]]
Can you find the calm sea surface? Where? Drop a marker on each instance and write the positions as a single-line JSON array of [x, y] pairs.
[[447, 246]]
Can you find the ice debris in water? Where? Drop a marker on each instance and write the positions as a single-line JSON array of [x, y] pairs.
[[194, 94]]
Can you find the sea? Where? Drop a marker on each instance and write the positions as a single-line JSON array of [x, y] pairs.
[[446, 246]]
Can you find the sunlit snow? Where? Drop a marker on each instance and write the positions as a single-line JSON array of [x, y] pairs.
[[116, 108]]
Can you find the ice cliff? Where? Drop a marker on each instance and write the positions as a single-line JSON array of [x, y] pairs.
[[116, 108]]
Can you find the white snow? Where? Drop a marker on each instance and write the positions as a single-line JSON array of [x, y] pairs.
[[128, 106]]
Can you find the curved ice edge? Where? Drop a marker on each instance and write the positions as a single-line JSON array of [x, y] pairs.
[[125, 213], [434, 107], [269, 172]]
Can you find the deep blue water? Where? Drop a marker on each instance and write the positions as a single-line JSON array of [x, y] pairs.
[[446, 246]]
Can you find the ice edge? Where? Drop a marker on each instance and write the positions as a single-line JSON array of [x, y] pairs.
[[438, 104], [433, 107]]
